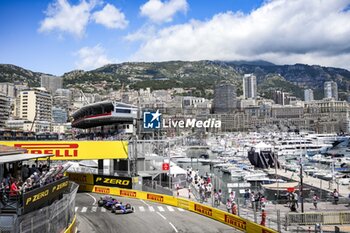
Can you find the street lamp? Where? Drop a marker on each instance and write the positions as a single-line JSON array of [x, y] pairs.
[[301, 179]]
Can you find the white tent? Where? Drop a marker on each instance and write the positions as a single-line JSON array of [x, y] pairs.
[[176, 170], [262, 145]]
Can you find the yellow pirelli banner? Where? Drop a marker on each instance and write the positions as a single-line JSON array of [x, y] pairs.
[[74, 150]]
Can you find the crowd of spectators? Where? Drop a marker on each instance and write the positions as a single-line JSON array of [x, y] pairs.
[[28, 178], [202, 183]]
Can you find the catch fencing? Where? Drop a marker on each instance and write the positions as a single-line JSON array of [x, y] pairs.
[[325, 218], [54, 218]]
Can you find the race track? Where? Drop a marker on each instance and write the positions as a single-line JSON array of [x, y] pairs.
[[148, 217]]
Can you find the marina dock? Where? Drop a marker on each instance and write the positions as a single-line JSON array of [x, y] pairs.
[[314, 182]]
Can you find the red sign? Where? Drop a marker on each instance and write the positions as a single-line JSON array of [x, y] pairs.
[[165, 166]]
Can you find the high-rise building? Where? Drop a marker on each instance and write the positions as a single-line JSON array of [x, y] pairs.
[[62, 98], [249, 86], [4, 109], [225, 98], [35, 105], [331, 90], [51, 83], [308, 95], [282, 98], [8, 89], [59, 115]]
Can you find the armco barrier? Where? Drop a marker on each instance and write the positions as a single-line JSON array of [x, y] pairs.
[[72, 227], [216, 214]]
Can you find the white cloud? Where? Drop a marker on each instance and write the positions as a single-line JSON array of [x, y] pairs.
[[62, 16], [159, 11], [144, 33], [110, 17], [282, 31], [92, 58]]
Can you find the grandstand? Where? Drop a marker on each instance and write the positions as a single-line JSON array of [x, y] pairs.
[[18, 135], [21, 176], [104, 113]]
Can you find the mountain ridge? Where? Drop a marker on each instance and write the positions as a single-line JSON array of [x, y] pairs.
[[197, 75]]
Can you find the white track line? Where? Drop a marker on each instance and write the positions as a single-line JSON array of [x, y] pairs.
[[92, 197], [103, 209], [171, 209], [144, 202], [151, 208], [161, 215], [93, 209], [142, 209], [84, 209], [173, 227], [161, 209], [180, 209], [76, 208]]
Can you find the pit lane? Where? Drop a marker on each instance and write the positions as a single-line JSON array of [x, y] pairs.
[[148, 217]]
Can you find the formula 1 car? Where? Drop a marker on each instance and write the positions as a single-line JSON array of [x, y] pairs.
[[110, 204], [119, 208], [107, 202]]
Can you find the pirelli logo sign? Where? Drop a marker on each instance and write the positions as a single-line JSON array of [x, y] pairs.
[[74, 150], [155, 197], [102, 190], [203, 210], [81, 178], [127, 193], [235, 222], [59, 150], [42, 196]]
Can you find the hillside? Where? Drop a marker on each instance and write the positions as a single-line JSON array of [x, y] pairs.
[[12, 73], [198, 76]]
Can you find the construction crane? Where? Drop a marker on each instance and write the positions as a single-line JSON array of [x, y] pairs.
[[84, 97]]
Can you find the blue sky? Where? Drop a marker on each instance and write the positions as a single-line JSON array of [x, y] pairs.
[[57, 36]]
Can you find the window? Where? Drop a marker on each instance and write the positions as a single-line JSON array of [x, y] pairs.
[[118, 110]]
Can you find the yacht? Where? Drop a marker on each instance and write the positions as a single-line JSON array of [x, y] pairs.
[[298, 146]]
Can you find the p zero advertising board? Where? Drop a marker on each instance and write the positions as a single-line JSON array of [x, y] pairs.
[[113, 181], [74, 150], [93, 179], [39, 197]]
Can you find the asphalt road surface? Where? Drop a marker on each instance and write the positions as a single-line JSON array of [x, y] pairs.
[[148, 217]]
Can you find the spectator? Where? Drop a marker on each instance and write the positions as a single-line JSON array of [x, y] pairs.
[[336, 196], [296, 200], [36, 177], [263, 218], [14, 189], [24, 172], [252, 200], [246, 197], [234, 208], [32, 170], [220, 196], [216, 198], [257, 200], [232, 196], [315, 199], [228, 205], [263, 201]]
